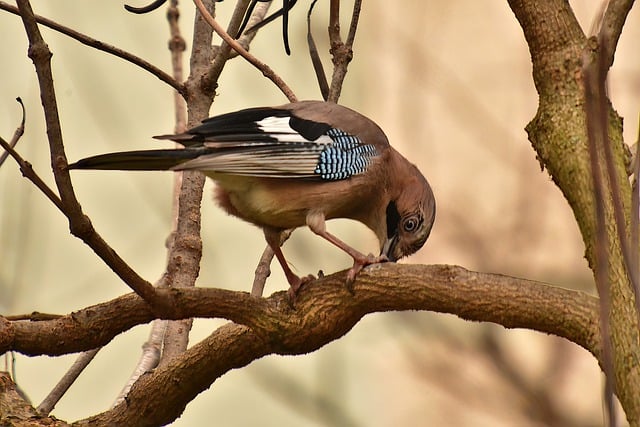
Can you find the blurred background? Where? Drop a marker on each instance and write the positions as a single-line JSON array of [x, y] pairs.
[[450, 82]]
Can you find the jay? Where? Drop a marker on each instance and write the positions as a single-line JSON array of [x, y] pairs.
[[301, 164]]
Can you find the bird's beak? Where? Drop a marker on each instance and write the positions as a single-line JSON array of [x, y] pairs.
[[388, 248]]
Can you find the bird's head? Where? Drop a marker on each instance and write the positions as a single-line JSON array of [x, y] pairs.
[[409, 218]]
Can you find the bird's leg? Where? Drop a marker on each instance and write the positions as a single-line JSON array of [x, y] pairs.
[[263, 270], [316, 222], [274, 240]]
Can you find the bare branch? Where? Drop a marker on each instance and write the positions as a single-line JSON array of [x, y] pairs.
[[262, 272], [619, 210], [185, 243], [353, 27], [342, 52], [224, 51], [104, 47], [315, 57], [263, 269], [66, 381], [325, 311], [25, 167], [31, 175], [264, 68], [79, 224], [177, 46], [16, 135], [259, 12], [557, 47], [612, 23], [13, 403]]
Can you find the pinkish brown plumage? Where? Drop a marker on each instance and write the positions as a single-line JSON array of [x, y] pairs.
[[301, 164]]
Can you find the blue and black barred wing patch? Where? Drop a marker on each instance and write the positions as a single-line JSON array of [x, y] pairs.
[[279, 146], [344, 157]]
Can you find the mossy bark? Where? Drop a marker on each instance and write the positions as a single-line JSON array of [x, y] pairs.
[[558, 134]]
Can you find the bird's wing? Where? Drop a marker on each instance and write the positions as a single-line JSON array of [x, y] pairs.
[[275, 143]]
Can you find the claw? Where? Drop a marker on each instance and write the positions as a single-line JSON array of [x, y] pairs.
[[295, 285], [359, 264]]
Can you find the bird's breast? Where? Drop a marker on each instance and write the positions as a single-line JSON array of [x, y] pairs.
[[285, 203], [262, 202]]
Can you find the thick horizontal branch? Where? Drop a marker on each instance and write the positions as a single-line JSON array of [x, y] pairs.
[[325, 310]]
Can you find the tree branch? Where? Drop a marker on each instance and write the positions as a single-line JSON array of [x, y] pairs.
[[185, 244], [325, 310], [102, 46], [27, 171], [17, 134], [612, 23], [79, 223], [342, 53], [558, 134], [264, 68], [66, 381]]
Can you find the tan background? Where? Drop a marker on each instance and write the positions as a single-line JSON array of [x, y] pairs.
[[450, 82]]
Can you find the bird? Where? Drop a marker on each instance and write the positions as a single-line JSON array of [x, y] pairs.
[[296, 165]]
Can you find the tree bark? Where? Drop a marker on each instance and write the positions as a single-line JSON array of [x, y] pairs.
[[324, 311], [558, 134]]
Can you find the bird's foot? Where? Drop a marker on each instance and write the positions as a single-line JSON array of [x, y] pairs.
[[295, 283], [360, 263]]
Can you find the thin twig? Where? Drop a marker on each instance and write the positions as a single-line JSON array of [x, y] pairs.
[[315, 57], [612, 23], [177, 46], [262, 272], [334, 22], [287, 5], [263, 269], [16, 135], [104, 47], [66, 381], [31, 175], [259, 12], [264, 68], [223, 53], [41, 57], [353, 27], [342, 53]]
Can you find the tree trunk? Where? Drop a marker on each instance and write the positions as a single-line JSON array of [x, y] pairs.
[[558, 134]]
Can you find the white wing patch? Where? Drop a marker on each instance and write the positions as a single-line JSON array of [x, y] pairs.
[[282, 152], [278, 128]]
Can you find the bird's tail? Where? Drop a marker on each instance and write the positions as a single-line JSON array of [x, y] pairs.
[[143, 160]]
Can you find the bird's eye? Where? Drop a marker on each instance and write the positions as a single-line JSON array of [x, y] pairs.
[[411, 224]]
